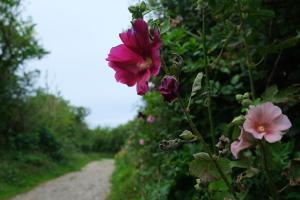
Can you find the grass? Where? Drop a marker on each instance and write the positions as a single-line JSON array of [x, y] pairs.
[[20, 176], [123, 185]]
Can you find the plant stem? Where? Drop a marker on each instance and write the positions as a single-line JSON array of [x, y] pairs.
[[209, 110], [206, 147], [247, 52], [271, 184]]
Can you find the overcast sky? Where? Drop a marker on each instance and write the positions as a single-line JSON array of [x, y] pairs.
[[79, 35]]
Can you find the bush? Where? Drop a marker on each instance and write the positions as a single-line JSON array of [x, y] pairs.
[[50, 145], [247, 53], [27, 141]]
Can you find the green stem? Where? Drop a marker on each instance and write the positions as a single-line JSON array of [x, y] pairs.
[[209, 110], [251, 82], [271, 184], [212, 158], [247, 52]]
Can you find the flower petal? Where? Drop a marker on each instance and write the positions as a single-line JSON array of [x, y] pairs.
[[124, 58], [249, 127], [155, 53], [241, 144], [137, 38], [142, 35], [124, 76], [270, 110], [281, 123], [142, 85], [274, 137]]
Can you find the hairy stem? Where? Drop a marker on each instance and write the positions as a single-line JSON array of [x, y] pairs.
[[246, 51], [206, 147], [271, 184], [209, 110]]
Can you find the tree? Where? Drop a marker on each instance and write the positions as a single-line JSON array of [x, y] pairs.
[[17, 45]]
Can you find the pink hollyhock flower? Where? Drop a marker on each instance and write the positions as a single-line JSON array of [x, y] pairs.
[[169, 88], [150, 119], [137, 58], [141, 142], [245, 141], [266, 121]]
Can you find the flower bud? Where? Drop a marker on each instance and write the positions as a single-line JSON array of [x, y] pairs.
[[238, 120], [169, 88], [187, 135], [238, 97], [246, 95], [246, 102]]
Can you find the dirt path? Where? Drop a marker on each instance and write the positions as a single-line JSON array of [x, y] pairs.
[[91, 183]]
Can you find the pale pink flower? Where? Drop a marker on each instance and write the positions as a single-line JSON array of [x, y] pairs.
[[141, 142], [150, 119], [266, 121], [245, 141]]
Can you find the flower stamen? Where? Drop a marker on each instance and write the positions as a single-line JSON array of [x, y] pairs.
[[145, 65], [261, 129]]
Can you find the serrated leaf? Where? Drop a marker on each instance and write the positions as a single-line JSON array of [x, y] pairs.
[[285, 95], [218, 185], [270, 92], [204, 168]]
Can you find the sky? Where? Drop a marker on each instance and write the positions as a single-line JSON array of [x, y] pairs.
[[79, 35]]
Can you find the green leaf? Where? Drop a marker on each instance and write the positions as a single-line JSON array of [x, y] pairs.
[[270, 92], [165, 26], [242, 163], [274, 48], [263, 13], [204, 168], [280, 153], [197, 85], [218, 185], [289, 94]]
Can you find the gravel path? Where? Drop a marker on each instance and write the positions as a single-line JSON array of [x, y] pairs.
[[91, 183]]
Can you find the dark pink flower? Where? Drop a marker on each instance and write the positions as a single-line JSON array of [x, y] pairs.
[[245, 141], [150, 119], [169, 88], [138, 58], [266, 121]]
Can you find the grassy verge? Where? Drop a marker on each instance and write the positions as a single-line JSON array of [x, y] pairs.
[[123, 184], [20, 176]]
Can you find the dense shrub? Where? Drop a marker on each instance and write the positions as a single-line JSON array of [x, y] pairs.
[[27, 142], [49, 144], [246, 51]]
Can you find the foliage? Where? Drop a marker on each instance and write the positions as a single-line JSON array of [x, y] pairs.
[[41, 134], [246, 53]]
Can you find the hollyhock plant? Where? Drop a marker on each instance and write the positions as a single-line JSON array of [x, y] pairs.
[[138, 58], [169, 88], [266, 121], [244, 141], [150, 119]]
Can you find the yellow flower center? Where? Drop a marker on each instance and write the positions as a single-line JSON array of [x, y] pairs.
[[261, 129], [145, 65]]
